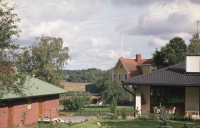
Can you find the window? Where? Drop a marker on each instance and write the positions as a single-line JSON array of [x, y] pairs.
[[29, 103], [168, 96], [125, 76], [119, 76], [114, 75], [121, 66]]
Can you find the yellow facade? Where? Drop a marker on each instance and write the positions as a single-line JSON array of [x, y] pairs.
[[120, 69], [145, 68]]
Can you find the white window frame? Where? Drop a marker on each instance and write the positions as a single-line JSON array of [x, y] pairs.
[[120, 77], [125, 75], [114, 76]]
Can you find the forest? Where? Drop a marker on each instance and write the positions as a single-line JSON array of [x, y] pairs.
[[85, 75]]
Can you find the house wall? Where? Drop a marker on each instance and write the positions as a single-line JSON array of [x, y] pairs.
[[119, 70], [51, 102], [4, 115], [145, 90], [20, 106], [191, 98], [145, 68]]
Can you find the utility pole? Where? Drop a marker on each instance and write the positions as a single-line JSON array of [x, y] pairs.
[[197, 27]]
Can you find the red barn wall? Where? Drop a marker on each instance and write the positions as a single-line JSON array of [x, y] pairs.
[[3, 115], [52, 102], [21, 106]]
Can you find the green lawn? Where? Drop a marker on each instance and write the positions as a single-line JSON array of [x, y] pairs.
[[130, 123], [120, 123], [94, 110], [100, 107]]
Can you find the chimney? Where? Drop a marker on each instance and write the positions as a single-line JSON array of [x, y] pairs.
[[138, 57], [192, 63]]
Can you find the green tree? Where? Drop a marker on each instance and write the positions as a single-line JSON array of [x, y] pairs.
[[108, 89], [9, 32], [194, 46], [44, 59], [174, 52], [76, 101]]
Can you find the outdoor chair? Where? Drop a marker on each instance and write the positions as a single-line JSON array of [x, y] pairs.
[[156, 110], [172, 109]]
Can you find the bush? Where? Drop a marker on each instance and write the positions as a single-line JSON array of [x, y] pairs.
[[77, 101], [153, 117], [113, 106], [185, 125], [124, 113], [114, 116]]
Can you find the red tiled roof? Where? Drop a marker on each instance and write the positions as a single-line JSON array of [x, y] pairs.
[[146, 61], [131, 67]]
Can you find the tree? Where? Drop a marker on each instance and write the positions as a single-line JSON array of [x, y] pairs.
[[108, 89], [173, 53], [194, 46], [10, 81], [44, 59], [76, 101]]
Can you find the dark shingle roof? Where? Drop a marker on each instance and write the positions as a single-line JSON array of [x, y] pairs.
[[171, 76]]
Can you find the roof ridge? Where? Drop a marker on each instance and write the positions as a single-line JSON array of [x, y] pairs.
[[156, 70]]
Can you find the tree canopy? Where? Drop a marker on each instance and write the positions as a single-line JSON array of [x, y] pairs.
[[10, 81], [84, 75], [108, 89], [173, 53], [194, 46], [44, 59]]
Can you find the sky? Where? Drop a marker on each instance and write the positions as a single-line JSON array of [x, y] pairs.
[[99, 32]]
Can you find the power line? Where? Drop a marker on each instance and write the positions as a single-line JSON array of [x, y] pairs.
[[107, 21], [42, 4], [112, 16]]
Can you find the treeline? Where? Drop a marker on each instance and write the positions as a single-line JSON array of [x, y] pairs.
[[84, 75]]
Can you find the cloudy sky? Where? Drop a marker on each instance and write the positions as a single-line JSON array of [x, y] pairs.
[[92, 28]]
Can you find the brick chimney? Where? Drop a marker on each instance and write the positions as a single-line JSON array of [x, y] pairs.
[[138, 57]]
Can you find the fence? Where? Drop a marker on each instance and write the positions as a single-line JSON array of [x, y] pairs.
[[94, 113]]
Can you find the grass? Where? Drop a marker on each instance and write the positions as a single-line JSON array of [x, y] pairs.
[[120, 123], [94, 110], [130, 123]]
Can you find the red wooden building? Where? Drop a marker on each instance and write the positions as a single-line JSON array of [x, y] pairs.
[[42, 100]]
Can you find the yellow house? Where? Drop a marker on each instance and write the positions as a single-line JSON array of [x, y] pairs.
[[127, 68]]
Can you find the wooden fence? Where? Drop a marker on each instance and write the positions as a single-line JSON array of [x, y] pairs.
[[94, 113]]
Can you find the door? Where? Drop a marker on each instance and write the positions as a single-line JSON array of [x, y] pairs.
[[10, 113], [41, 107]]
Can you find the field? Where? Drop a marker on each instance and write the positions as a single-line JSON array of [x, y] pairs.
[[70, 86]]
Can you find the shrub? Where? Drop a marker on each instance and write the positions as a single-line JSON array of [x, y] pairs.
[[113, 106], [77, 101], [153, 117], [185, 125], [114, 116], [124, 113]]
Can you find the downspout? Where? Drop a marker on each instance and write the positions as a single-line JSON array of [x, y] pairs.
[[131, 93]]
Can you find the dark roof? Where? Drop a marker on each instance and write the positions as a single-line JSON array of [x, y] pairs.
[[170, 76]]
